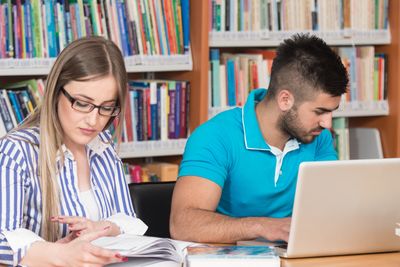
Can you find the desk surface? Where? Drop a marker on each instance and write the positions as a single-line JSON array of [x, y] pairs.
[[379, 259]]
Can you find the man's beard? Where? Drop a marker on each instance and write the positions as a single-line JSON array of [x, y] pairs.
[[289, 123]]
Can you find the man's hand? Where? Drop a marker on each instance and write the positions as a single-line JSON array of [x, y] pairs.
[[274, 229]]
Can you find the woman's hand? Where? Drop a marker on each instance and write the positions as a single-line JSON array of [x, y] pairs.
[[77, 252], [80, 225]]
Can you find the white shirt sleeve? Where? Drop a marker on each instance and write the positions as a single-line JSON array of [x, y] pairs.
[[128, 224], [21, 238]]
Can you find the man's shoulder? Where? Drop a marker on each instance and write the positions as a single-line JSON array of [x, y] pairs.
[[226, 120]]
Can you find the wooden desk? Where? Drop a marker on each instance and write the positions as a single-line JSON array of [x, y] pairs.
[[379, 259]]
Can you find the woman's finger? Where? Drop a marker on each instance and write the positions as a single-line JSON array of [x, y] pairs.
[[93, 235], [106, 254], [71, 219]]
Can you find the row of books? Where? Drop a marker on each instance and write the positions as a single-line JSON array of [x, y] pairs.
[[291, 15], [232, 76], [367, 72], [41, 29], [150, 172], [156, 110], [17, 101]]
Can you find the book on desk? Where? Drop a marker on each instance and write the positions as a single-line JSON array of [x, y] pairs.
[[232, 256]]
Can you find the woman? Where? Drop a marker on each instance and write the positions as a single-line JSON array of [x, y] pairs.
[[62, 183]]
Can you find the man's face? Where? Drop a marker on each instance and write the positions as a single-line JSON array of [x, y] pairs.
[[306, 120]]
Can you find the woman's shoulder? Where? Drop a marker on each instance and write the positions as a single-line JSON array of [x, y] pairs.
[[18, 144], [26, 135]]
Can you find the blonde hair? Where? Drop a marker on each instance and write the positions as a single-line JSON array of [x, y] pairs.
[[82, 60]]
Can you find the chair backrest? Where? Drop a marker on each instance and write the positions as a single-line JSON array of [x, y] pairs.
[[152, 204], [365, 143]]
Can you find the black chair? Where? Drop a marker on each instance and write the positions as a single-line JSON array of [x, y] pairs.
[[152, 204]]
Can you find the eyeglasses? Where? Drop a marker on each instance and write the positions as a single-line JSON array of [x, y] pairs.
[[86, 107]]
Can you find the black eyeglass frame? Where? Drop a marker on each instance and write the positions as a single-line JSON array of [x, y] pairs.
[[73, 100]]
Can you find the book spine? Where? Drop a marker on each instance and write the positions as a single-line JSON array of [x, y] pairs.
[[182, 113], [5, 114], [178, 95], [9, 107], [153, 110], [15, 106], [171, 114]]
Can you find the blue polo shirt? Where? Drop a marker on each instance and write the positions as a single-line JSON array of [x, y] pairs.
[[257, 180]]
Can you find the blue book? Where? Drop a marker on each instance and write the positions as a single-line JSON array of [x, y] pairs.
[[186, 24], [15, 105], [51, 28], [28, 29], [231, 82], [123, 28]]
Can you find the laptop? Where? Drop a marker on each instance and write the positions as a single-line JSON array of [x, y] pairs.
[[345, 207]]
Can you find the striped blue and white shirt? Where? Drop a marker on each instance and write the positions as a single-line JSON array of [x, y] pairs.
[[21, 200]]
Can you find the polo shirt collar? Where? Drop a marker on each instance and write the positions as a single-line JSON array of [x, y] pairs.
[[253, 138]]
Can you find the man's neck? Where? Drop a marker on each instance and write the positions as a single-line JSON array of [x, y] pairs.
[[267, 117]]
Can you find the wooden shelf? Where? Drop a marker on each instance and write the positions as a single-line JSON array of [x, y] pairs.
[[273, 39], [41, 66], [353, 109], [152, 148]]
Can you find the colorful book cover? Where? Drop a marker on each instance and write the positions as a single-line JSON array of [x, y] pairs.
[[232, 256]]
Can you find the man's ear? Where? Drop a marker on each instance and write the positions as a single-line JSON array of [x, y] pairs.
[[285, 100]]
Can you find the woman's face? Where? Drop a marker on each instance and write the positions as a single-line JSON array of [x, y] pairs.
[[80, 127]]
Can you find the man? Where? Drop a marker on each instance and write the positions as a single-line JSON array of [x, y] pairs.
[[238, 175]]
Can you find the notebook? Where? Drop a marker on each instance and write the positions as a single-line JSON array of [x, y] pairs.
[[345, 207]]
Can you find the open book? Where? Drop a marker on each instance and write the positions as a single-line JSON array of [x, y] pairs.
[[137, 246]]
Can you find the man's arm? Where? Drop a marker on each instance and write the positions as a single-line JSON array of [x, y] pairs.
[[194, 216]]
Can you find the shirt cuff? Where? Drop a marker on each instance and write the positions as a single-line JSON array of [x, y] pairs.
[[20, 238], [128, 224]]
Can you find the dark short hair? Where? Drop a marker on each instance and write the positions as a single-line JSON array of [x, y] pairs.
[[304, 65]]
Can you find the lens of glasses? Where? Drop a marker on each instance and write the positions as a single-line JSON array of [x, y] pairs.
[[82, 106], [109, 110], [86, 107]]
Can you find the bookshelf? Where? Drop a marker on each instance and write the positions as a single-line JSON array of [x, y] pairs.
[[362, 114], [134, 64], [389, 126], [387, 121], [273, 39], [158, 148], [360, 109], [176, 67]]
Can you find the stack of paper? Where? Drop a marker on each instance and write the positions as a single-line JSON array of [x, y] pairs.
[[144, 246]]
